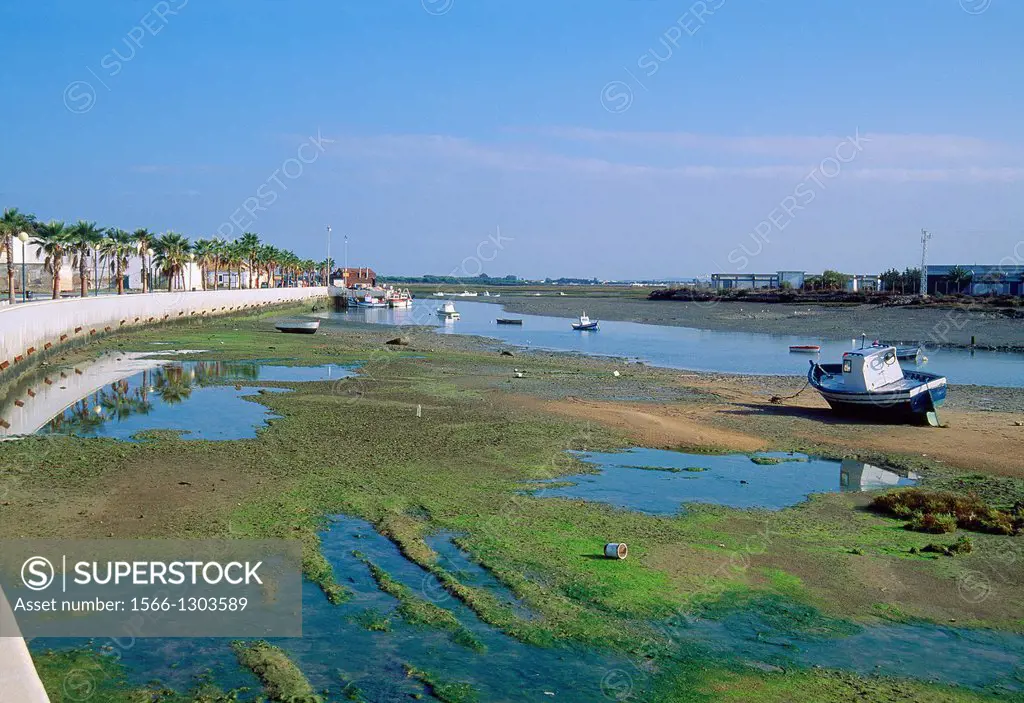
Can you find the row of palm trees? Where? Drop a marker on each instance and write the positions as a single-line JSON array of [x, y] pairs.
[[170, 253]]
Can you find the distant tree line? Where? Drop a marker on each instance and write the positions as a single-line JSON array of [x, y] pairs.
[[909, 281], [572, 281], [481, 280]]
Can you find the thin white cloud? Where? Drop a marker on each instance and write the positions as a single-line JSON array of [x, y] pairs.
[[444, 151], [883, 145]]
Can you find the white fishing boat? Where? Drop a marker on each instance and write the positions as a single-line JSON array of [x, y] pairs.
[[585, 324], [438, 294], [870, 382], [448, 311]]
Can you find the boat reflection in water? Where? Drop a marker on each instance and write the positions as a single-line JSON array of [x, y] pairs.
[[858, 476]]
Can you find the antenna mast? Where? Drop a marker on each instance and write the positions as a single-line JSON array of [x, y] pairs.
[[925, 236]]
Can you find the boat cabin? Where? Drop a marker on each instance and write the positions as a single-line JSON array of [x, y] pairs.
[[871, 368]]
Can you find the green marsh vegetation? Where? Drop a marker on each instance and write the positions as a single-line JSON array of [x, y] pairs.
[[282, 680], [944, 511], [357, 446]]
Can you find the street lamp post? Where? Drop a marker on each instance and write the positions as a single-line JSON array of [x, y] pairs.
[[152, 283], [191, 265], [328, 255], [23, 237]]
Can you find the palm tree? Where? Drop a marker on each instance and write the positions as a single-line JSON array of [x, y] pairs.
[[204, 249], [249, 244], [268, 258], [52, 239], [327, 267], [85, 239], [959, 276], [238, 257], [144, 242], [119, 247], [172, 251], [218, 255], [12, 224]]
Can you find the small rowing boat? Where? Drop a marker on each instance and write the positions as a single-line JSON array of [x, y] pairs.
[[805, 348], [509, 321], [298, 326]]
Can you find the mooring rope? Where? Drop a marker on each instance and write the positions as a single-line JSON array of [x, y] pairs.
[[777, 399]]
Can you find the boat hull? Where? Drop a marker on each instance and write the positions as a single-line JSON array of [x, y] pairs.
[[298, 327], [589, 327], [912, 403], [805, 348], [503, 321]]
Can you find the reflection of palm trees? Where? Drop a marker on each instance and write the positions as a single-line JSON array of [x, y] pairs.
[[129, 397], [173, 384], [118, 402]]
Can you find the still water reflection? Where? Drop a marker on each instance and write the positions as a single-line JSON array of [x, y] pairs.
[[661, 481], [120, 395]]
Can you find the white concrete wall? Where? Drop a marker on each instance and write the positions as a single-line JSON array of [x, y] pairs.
[[28, 328], [19, 682], [33, 326]]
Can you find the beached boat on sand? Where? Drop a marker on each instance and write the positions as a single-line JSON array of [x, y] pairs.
[[298, 326], [871, 383]]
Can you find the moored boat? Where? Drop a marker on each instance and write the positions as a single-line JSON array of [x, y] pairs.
[[805, 348], [510, 321], [399, 298], [585, 324], [298, 326], [370, 301], [904, 353], [870, 382], [448, 311]]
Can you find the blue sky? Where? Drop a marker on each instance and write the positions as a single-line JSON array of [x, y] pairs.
[[608, 138]]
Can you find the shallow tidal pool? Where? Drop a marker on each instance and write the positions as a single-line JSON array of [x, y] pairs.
[[120, 395], [660, 481]]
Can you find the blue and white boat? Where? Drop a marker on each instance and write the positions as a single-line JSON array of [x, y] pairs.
[[585, 324], [870, 382]]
